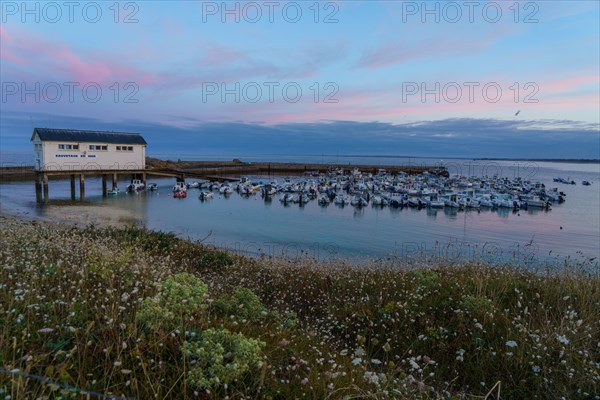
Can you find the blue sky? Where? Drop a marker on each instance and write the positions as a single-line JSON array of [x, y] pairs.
[[501, 79]]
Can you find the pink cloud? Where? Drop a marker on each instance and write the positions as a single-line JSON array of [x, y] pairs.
[[57, 60]]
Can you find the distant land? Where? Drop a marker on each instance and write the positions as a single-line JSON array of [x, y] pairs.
[[560, 160]]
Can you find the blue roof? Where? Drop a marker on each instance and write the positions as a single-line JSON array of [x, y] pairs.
[[76, 135]]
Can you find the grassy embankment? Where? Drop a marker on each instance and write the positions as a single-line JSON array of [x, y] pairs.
[[147, 315]]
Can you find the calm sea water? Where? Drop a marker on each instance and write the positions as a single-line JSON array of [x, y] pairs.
[[253, 225]]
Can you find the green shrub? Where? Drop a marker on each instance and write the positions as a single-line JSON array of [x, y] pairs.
[[476, 305], [425, 277], [181, 296], [243, 303], [221, 357]]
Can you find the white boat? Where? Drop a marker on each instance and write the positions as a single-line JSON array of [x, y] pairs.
[[435, 201], [535, 201], [324, 200], [113, 192], [225, 189], [180, 186], [378, 200], [247, 190], [303, 198], [358, 201], [136, 185], [193, 185], [341, 200], [152, 187], [206, 195], [414, 202]]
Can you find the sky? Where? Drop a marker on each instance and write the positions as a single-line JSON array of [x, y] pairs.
[[455, 79]]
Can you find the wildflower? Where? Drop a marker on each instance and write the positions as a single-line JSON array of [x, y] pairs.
[[304, 381], [511, 343], [562, 339], [375, 361], [414, 364], [536, 369], [460, 355], [45, 330], [356, 361]]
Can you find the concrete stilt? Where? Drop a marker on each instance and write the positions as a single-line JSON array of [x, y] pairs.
[[81, 186], [72, 187], [45, 183], [103, 184], [114, 181], [38, 188]]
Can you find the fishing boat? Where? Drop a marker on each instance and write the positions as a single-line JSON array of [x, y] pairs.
[[152, 187], [113, 192], [586, 183], [193, 185]]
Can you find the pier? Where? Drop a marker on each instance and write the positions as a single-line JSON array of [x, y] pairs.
[[42, 178]]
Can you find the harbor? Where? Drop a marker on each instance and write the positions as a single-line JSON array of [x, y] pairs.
[[399, 214], [358, 189]]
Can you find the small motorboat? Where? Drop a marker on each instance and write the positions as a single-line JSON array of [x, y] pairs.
[[225, 189], [113, 192], [287, 198], [180, 187], [206, 195], [324, 200], [136, 185], [358, 201], [341, 200], [586, 183], [180, 194], [193, 185], [303, 198], [379, 201], [152, 187]]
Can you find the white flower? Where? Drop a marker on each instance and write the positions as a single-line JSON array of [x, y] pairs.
[[536, 369], [562, 339], [375, 361], [511, 343], [356, 361], [413, 364], [359, 352]]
